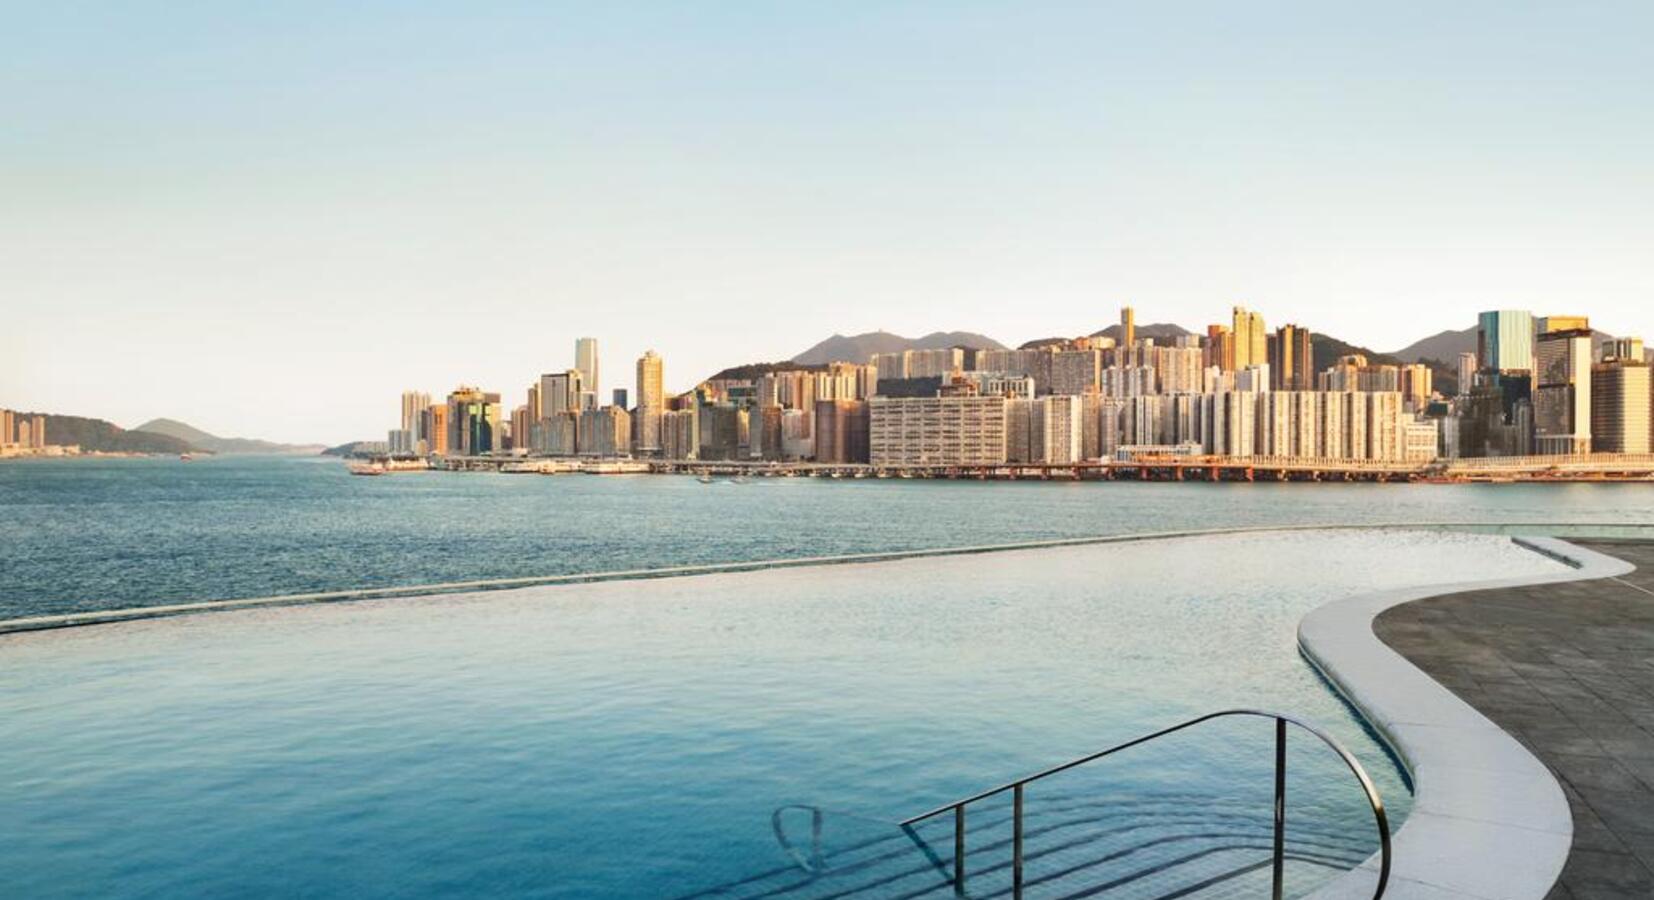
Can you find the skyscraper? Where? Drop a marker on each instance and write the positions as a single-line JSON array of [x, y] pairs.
[[473, 422], [1467, 372], [1251, 342], [651, 403], [1504, 340], [1220, 348], [1562, 392], [414, 404], [585, 360], [1620, 406], [560, 392], [1292, 359], [1128, 327]]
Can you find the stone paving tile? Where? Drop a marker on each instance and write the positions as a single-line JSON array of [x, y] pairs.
[[1569, 670]]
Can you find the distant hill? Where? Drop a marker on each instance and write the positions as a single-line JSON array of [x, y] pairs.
[[751, 371], [346, 449], [211, 442], [1160, 331], [96, 435], [858, 348], [1441, 345]]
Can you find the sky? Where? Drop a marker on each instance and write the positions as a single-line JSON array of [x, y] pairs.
[[268, 220]]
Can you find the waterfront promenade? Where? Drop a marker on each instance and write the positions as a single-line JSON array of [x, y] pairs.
[[1597, 467], [1568, 669]]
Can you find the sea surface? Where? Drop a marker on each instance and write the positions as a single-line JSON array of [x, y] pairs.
[[658, 738], [90, 534]]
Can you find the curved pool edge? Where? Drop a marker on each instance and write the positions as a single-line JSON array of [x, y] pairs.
[[1489, 819]]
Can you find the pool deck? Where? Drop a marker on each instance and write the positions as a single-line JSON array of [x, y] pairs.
[[1567, 669]]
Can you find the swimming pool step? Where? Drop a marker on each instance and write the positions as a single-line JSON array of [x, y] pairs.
[[1154, 847]]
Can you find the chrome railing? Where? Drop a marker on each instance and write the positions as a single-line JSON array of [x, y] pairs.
[[1278, 858]]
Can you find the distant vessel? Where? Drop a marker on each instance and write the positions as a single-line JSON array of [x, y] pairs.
[[367, 469], [185, 457], [706, 479]]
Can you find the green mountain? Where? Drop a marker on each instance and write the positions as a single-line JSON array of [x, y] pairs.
[[96, 435], [215, 444]]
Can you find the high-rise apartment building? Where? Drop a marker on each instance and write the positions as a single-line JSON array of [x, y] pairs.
[[1128, 327], [1076, 371], [1620, 406], [1562, 392], [585, 360], [954, 430], [1220, 348], [651, 403], [1251, 341], [414, 404], [841, 431], [1291, 359], [436, 425], [1504, 340]]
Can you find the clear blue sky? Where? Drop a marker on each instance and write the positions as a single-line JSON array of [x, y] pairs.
[[268, 221]]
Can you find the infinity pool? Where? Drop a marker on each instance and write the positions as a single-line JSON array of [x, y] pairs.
[[633, 739]]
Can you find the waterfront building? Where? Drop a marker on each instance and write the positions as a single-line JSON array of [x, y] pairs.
[[522, 428], [8, 427], [1142, 420], [585, 361], [937, 430], [651, 403], [400, 441], [797, 434], [1110, 431], [841, 431], [1251, 342], [766, 433], [1620, 413], [606, 432], [560, 433], [681, 433], [1332, 413], [725, 432], [1292, 359], [37, 433], [1385, 418], [414, 404], [1421, 440], [1504, 340], [1562, 392], [473, 421], [436, 426]]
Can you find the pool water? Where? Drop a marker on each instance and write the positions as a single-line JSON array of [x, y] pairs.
[[634, 738]]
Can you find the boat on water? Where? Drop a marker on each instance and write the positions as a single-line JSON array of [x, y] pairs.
[[704, 478], [185, 457], [367, 469]]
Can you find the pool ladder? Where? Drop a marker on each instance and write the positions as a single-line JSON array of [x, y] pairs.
[[1278, 858]]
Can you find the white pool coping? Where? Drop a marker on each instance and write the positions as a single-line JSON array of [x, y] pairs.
[[1489, 820]]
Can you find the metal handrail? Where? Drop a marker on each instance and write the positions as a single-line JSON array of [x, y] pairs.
[[957, 807]]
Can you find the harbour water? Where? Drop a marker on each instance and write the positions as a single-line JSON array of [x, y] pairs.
[[89, 534]]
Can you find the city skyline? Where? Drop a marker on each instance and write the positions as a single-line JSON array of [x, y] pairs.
[[197, 213]]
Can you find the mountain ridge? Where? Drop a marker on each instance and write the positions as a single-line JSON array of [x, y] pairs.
[[199, 439], [858, 348]]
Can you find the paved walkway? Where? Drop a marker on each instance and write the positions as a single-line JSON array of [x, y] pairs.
[[1569, 670]]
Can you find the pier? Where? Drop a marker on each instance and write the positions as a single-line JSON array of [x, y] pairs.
[[1598, 467]]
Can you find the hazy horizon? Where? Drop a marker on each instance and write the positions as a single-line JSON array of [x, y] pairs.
[[269, 222]]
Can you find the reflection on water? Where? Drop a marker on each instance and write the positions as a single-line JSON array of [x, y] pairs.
[[634, 738]]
